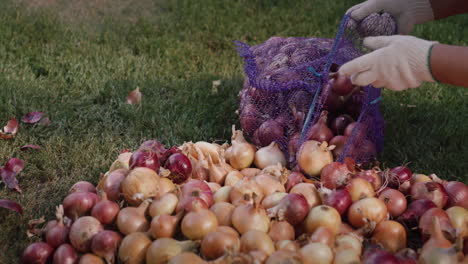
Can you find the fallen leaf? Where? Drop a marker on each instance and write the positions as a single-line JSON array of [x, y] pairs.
[[9, 178], [32, 230], [134, 97], [14, 164], [215, 85], [10, 130], [9, 172], [45, 121], [25, 147], [32, 117], [11, 205]]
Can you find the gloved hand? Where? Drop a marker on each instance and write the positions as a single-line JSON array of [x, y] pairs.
[[406, 12], [398, 62]]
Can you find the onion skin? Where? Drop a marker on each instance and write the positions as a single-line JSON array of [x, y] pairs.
[[399, 175], [180, 167], [338, 199], [162, 250], [359, 188], [323, 235], [90, 259], [198, 222], [105, 244], [223, 212], [293, 208], [164, 225], [314, 156], [335, 175], [316, 253], [82, 232], [105, 211], [256, 240], [37, 253], [144, 158], [394, 200], [250, 172], [65, 254], [436, 241], [192, 190], [281, 230], [309, 191], [294, 178], [415, 210], [223, 240], [430, 190], [186, 257], [82, 186], [426, 224], [289, 245], [133, 248], [166, 204], [458, 194], [111, 184], [367, 209], [284, 256], [459, 220], [248, 217], [391, 235], [371, 176], [247, 187], [323, 215], [133, 219], [140, 184], [79, 203]]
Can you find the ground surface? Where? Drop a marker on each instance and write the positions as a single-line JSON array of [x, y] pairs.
[[76, 61]]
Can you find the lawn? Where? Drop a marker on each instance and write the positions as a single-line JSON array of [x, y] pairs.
[[76, 61]]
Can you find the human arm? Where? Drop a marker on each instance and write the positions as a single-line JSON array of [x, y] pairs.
[[449, 64]]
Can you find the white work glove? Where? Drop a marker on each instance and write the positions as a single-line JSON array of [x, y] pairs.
[[407, 13], [398, 63]]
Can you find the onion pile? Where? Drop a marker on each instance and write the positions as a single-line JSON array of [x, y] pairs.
[[143, 213]]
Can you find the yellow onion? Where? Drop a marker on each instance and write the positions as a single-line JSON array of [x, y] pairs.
[[391, 235], [323, 216], [313, 156], [316, 253], [163, 249], [233, 177], [241, 154], [219, 242], [269, 155], [133, 248], [140, 184], [198, 222], [133, 219], [122, 161], [186, 257], [257, 240], [223, 212]]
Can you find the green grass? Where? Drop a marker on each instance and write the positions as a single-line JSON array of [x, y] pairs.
[[77, 65]]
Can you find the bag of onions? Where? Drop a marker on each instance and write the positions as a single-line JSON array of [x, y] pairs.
[[285, 76]]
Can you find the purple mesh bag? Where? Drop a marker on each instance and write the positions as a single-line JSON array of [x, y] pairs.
[[285, 90]]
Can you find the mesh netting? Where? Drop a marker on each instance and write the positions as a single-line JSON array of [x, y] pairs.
[[285, 89]]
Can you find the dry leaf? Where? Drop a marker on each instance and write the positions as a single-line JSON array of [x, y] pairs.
[[11, 205], [32, 230], [9, 172], [214, 87], [10, 130], [25, 147], [134, 97], [45, 121], [32, 117]]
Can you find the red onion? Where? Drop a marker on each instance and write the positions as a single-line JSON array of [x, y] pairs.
[[415, 210], [338, 199], [293, 208], [144, 158], [79, 203], [339, 124], [399, 175], [342, 85], [372, 177], [156, 147], [270, 131], [458, 194], [293, 145], [320, 131], [112, 182], [82, 186], [65, 254], [360, 130], [250, 119], [192, 190], [180, 167], [105, 211], [335, 175], [430, 190], [105, 245], [58, 234], [377, 255], [339, 143], [394, 200], [354, 103], [37, 253], [82, 232], [426, 223], [407, 256], [334, 102], [294, 178]]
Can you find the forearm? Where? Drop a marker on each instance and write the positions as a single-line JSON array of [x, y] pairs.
[[446, 8], [449, 64]]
